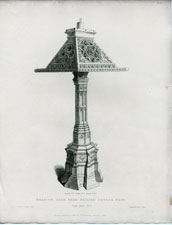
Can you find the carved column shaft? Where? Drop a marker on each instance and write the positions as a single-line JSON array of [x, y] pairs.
[[81, 168], [81, 133]]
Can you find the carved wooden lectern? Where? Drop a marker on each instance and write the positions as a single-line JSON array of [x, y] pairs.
[[80, 55]]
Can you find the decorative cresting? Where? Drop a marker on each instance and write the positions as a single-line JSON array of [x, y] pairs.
[[80, 55]]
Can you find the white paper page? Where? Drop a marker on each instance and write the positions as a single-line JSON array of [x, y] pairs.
[[128, 112]]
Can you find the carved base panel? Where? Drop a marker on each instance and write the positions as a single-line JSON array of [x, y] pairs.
[[81, 168]]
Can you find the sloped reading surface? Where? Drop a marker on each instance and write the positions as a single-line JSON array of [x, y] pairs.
[[65, 59], [92, 58], [80, 54], [89, 52]]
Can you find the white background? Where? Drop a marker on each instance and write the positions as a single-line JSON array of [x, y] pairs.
[[128, 112]]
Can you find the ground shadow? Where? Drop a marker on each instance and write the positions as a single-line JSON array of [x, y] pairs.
[[60, 172]]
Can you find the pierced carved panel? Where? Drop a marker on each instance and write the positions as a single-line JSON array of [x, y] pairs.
[[89, 52], [65, 59]]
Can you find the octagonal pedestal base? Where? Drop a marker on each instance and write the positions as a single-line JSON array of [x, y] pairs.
[[81, 168]]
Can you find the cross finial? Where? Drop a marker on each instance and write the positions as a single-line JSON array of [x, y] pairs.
[[80, 24]]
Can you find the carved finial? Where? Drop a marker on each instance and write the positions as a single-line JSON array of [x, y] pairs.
[[80, 24]]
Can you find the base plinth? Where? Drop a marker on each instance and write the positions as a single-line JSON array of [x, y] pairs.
[[81, 168]]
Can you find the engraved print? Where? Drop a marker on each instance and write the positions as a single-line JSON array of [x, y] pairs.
[[80, 55]]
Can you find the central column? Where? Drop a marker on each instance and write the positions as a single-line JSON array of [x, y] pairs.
[[81, 133], [81, 168]]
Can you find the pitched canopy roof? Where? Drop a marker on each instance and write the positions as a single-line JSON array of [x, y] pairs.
[[80, 54]]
